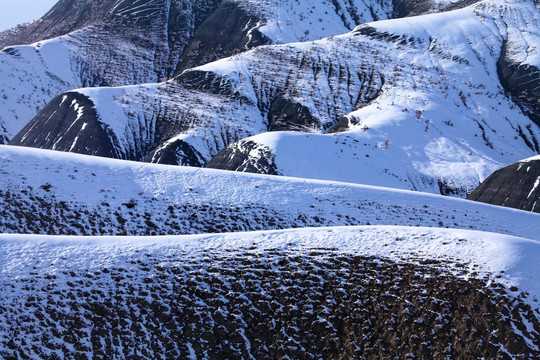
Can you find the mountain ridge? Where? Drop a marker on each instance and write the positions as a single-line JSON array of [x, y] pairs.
[[413, 114], [346, 124]]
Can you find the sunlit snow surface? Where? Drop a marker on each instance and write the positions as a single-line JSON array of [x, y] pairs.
[[508, 260], [80, 194], [421, 95]]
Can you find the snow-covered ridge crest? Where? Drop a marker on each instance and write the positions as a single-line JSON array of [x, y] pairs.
[[40, 193], [489, 254]]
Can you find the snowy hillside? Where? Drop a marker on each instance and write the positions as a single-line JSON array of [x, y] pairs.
[[111, 250], [441, 124], [118, 42], [412, 103], [47, 192], [362, 292], [119, 49]]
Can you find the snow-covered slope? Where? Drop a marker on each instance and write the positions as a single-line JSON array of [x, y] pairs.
[[440, 120], [121, 45], [413, 103], [362, 292], [118, 42], [48, 192]]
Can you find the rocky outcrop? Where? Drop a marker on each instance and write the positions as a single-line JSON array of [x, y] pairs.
[[516, 186], [245, 156], [417, 7], [227, 31], [522, 81], [177, 152], [68, 123]]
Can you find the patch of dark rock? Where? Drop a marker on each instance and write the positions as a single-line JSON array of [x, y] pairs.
[[240, 157], [227, 31], [514, 186], [521, 81], [72, 123], [417, 7], [209, 82], [177, 152], [286, 115]]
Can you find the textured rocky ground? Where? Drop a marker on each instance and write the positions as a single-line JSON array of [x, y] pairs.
[[258, 301]]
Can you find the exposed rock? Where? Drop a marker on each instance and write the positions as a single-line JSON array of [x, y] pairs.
[[245, 156], [516, 186], [522, 81], [417, 7], [207, 81], [343, 124], [259, 304], [287, 115], [177, 152], [227, 31], [69, 123]]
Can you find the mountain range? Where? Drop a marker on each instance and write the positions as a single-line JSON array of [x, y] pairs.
[[271, 179]]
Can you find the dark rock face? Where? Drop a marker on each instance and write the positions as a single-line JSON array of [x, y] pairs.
[[269, 304], [522, 81], [68, 123], [177, 152], [206, 81], [516, 186], [245, 156], [285, 115], [417, 7], [227, 31]]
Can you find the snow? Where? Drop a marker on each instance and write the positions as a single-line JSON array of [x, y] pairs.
[[439, 117], [424, 130], [444, 118], [287, 21], [507, 260], [30, 76], [154, 188], [92, 55], [536, 183], [532, 158]]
